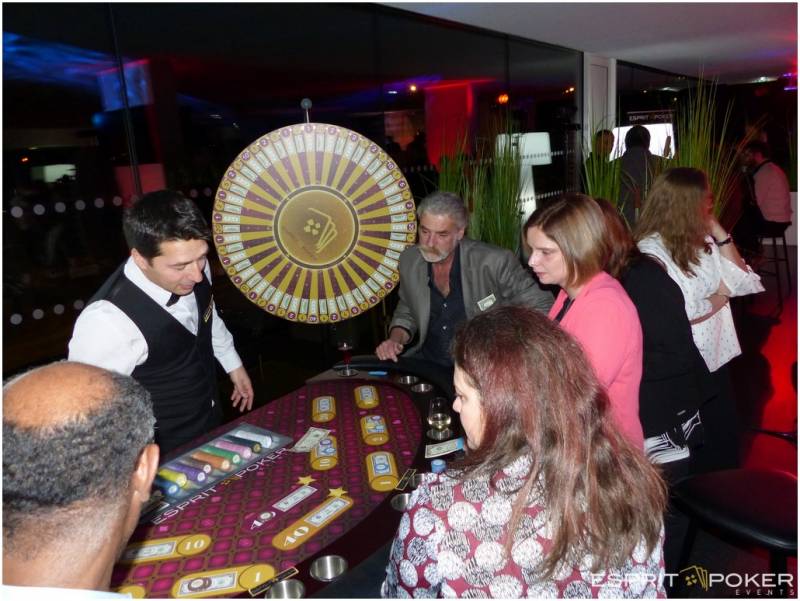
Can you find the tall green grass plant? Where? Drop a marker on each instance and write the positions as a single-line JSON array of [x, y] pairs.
[[703, 144], [489, 184], [500, 214], [601, 176], [453, 169], [477, 184]]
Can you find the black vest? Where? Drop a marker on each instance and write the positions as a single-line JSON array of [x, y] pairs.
[[179, 372]]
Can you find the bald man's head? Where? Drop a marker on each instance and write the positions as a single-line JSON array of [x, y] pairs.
[[72, 434], [54, 395]]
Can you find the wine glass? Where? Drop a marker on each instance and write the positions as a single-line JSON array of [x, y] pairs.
[[439, 418], [344, 338], [345, 346]]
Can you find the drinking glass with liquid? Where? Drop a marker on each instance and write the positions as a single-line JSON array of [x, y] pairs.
[[439, 418]]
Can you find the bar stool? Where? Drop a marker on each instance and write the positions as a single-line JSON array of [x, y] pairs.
[[775, 259], [755, 506]]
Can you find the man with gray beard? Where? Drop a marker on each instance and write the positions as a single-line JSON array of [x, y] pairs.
[[446, 279]]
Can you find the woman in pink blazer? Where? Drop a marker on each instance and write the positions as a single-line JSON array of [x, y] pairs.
[[569, 246]]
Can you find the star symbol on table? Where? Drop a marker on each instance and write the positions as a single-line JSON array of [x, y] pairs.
[[305, 480], [337, 492]]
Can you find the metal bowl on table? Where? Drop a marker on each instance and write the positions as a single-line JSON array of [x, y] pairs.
[[328, 567], [400, 502], [422, 387], [406, 379], [286, 589]]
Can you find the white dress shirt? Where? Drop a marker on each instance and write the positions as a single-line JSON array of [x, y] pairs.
[[106, 337], [715, 337]]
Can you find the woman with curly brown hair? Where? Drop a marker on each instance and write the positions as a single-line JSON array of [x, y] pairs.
[[678, 227], [550, 499]]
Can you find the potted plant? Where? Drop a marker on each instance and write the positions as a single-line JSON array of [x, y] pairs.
[[489, 184], [601, 176], [703, 142]]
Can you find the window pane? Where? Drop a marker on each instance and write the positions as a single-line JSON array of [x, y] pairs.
[[64, 172], [544, 98]]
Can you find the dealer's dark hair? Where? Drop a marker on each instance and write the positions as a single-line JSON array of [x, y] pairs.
[[89, 457], [163, 216], [539, 396]]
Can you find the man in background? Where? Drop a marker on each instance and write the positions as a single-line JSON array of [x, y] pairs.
[[768, 206], [637, 166], [78, 462], [603, 144], [596, 163]]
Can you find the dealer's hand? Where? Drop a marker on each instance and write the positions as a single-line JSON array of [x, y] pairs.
[[242, 396]]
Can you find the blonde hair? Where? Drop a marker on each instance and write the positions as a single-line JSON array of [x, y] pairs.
[[576, 224], [673, 210]]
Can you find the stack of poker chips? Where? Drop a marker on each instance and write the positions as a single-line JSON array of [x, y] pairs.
[[222, 454], [170, 481], [260, 439]]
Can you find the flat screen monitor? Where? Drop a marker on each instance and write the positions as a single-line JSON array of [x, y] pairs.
[[659, 134]]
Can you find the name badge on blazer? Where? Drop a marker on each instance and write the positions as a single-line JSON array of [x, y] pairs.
[[207, 314], [487, 302]]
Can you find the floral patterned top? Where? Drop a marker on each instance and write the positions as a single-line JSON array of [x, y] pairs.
[[451, 543]]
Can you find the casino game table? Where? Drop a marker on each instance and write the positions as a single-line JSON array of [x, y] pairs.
[[277, 508]]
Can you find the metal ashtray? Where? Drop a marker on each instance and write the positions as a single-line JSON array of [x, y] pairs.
[[286, 589], [422, 387], [400, 502], [407, 379], [328, 567]]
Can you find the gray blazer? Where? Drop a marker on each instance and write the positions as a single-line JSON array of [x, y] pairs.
[[490, 276]]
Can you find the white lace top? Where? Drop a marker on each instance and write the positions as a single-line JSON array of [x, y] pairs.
[[716, 336]]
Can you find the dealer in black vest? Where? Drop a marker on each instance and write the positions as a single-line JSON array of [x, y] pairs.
[[155, 319]]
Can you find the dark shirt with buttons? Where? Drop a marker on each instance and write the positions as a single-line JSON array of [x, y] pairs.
[[446, 314]]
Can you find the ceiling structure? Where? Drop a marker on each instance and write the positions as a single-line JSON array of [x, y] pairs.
[[734, 42]]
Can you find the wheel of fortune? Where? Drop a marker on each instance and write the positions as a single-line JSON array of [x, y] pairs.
[[309, 222]]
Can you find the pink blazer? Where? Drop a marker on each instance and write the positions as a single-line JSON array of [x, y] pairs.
[[604, 321]]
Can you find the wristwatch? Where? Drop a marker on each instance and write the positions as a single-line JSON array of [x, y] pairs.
[[727, 240]]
